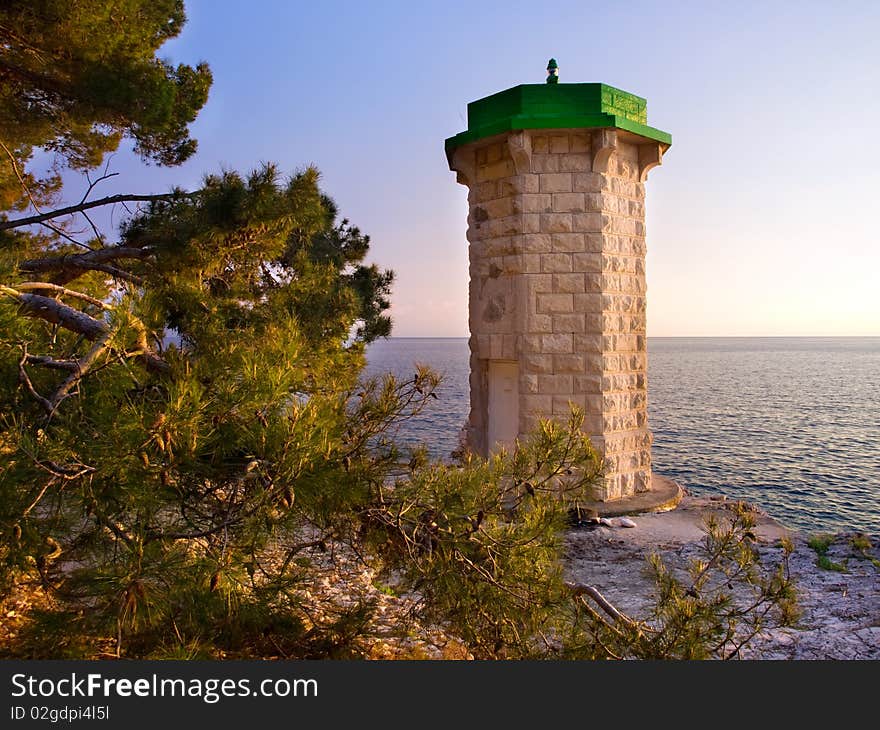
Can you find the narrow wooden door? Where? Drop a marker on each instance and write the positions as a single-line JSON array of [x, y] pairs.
[[503, 404]]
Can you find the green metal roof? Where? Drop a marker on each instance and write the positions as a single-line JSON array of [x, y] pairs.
[[556, 106]]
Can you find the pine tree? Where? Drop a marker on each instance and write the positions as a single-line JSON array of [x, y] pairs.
[[185, 430], [166, 417], [77, 77]]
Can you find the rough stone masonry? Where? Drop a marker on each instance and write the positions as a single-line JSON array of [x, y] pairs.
[[556, 228]]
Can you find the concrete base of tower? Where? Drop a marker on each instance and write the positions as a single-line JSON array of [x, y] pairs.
[[664, 495]]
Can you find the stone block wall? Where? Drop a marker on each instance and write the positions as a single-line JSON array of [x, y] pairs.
[[557, 264]]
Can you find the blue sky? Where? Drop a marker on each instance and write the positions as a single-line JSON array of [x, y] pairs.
[[761, 220]]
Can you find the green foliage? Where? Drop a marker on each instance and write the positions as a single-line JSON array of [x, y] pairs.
[[188, 449], [711, 609], [728, 599], [824, 562], [820, 544], [223, 390], [75, 77], [862, 545], [481, 542]]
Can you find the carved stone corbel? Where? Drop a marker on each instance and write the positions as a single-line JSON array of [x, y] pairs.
[[603, 143], [650, 156], [519, 145], [464, 165]]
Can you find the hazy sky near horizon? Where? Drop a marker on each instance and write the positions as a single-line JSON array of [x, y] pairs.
[[761, 221]]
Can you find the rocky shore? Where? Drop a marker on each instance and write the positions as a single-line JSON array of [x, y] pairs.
[[840, 602]]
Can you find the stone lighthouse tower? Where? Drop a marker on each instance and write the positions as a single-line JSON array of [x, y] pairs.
[[556, 226]]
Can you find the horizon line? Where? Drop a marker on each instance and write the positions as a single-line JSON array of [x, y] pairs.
[[671, 337]]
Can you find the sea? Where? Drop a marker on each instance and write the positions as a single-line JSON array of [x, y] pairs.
[[789, 423]]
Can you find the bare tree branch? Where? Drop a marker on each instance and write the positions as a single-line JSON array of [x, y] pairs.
[[18, 174], [64, 234], [92, 184], [26, 381], [39, 496], [27, 192], [114, 271], [98, 235], [80, 207], [582, 589], [63, 291], [51, 363], [83, 367], [71, 266], [56, 312], [84, 260]]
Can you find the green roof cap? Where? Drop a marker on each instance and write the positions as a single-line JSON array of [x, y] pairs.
[[557, 106]]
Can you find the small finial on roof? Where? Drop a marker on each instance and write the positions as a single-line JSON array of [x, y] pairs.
[[552, 72]]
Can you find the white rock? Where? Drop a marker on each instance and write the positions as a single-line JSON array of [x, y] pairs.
[[625, 522], [606, 522]]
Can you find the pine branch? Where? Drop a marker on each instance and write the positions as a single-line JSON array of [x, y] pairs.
[[26, 381], [582, 589], [27, 192], [51, 310], [56, 312], [83, 367], [80, 207], [51, 363], [71, 266], [41, 286]]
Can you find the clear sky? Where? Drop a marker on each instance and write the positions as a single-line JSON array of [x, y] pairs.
[[761, 221]]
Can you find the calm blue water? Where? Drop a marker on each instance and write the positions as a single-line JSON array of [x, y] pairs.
[[792, 424]]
